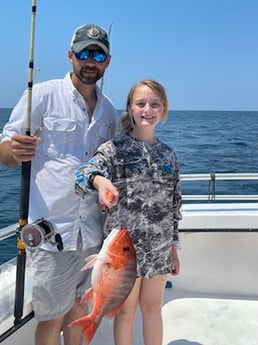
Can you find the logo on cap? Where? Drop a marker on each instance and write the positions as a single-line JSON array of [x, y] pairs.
[[93, 33]]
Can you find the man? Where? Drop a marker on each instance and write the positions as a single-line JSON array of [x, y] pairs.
[[70, 118]]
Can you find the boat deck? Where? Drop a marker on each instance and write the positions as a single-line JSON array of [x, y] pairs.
[[199, 321], [214, 299]]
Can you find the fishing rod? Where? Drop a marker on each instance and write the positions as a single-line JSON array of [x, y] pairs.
[[25, 187], [109, 33]]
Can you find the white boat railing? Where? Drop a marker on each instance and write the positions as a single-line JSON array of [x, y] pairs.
[[212, 178], [219, 176], [8, 231], [242, 197], [211, 196]]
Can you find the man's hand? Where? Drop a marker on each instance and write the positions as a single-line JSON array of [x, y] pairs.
[[21, 148]]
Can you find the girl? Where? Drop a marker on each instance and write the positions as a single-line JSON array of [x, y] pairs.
[[142, 173]]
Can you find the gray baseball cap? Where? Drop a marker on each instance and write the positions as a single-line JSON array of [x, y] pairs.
[[86, 35]]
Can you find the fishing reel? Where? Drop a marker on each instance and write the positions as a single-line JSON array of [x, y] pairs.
[[40, 231]]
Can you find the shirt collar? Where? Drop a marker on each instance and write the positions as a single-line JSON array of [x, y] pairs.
[[75, 93]]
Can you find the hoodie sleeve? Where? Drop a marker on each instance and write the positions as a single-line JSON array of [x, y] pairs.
[[99, 164]]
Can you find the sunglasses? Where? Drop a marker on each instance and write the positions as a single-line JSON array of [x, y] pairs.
[[98, 55]]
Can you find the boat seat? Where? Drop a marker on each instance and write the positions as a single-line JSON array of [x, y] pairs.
[[238, 216]]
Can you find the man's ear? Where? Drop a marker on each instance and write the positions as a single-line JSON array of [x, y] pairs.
[[70, 55], [108, 60]]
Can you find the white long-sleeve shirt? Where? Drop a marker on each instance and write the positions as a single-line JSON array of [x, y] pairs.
[[60, 117]]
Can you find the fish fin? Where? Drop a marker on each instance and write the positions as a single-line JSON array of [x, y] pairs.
[[90, 261], [113, 312], [88, 326], [88, 296]]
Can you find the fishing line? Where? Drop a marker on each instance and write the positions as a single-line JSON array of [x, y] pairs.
[[102, 79]]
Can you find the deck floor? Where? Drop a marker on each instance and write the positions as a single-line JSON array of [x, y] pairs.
[[199, 321], [196, 321], [214, 300]]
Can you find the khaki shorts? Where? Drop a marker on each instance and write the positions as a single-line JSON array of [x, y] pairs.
[[58, 279]]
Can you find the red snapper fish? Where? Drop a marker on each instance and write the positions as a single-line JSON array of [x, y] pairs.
[[113, 277]]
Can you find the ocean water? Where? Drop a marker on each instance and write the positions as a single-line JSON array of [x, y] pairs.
[[205, 142]]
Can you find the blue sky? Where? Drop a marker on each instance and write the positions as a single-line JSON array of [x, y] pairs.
[[205, 52]]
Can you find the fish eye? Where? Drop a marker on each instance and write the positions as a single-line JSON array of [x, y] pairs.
[[126, 249]]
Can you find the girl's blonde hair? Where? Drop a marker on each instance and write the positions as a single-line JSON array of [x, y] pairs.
[[127, 121]]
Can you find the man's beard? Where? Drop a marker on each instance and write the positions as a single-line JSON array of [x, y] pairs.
[[88, 80]]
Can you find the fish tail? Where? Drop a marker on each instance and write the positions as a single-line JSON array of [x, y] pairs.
[[89, 327]]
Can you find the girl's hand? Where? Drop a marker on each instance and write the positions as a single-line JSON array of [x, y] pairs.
[[108, 194]]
